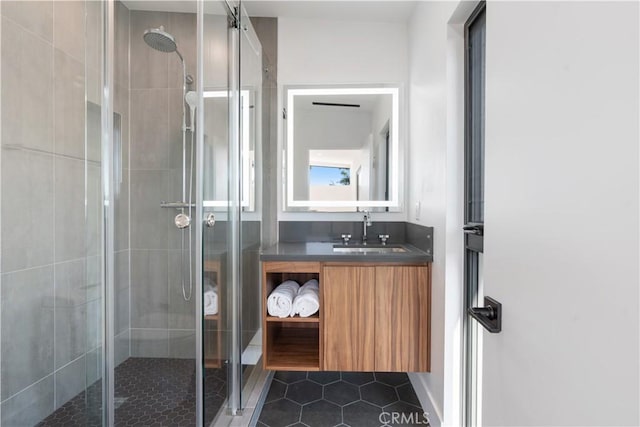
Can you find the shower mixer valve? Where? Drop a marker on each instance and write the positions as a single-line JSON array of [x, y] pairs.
[[182, 221]]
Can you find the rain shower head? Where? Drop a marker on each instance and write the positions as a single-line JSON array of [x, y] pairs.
[[159, 39]]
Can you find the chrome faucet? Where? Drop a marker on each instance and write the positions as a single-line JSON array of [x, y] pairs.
[[366, 222]]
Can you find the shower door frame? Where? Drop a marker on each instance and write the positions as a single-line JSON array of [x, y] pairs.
[[108, 226]]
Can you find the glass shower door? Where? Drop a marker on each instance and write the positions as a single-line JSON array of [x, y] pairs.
[[219, 207], [231, 191]]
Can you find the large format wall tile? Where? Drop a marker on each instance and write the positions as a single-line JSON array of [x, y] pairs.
[[27, 328], [149, 129], [122, 291], [149, 299], [182, 344], [35, 16], [69, 27], [94, 220], [70, 223], [181, 313], [29, 406], [175, 129], [183, 27], [121, 65], [148, 220], [122, 349], [69, 105], [27, 209], [121, 105], [94, 324], [93, 50], [70, 380], [122, 212], [148, 66], [27, 88], [70, 311], [149, 342]]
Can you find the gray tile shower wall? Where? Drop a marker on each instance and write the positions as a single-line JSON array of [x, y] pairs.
[[267, 31], [330, 231], [50, 59], [161, 320]]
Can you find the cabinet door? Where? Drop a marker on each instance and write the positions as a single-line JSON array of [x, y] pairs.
[[348, 318], [402, 319]]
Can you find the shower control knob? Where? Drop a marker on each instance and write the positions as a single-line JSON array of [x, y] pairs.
[[182, 221], [210, 220]]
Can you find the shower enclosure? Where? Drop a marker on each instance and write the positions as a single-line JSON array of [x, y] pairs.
[[131, 212]]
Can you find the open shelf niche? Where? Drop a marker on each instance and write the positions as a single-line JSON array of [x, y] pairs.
[[291, 343]]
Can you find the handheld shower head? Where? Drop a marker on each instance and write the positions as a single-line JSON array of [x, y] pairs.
[[159, 39], [191, 98]]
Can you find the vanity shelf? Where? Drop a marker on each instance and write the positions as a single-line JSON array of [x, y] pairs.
[[293, 346], [297, 319], [290, 343]]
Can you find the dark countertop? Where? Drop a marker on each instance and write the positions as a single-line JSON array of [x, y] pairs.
[[315, 251]]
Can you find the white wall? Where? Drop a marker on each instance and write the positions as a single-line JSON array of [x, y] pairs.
[[561, 207], [323, 52], [561, 251], [435, 161]]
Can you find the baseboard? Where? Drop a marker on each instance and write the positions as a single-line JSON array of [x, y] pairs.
[[426, 400]]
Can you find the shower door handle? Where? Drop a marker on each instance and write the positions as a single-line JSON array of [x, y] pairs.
[[210, 220]]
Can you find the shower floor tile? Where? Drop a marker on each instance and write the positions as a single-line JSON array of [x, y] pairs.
[[328, 399], [148, 392]]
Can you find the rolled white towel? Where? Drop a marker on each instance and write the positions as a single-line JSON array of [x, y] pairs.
[[210, 297], [307, 302], [280, 301]]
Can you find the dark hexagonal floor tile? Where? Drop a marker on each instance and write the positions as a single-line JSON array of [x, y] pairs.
[[289, 377], [321, 414], [276, 391], [358, 378], [324, 377], [379, 394], [392, 378], [404, 414], [341, 393], [280, 413], [407, 394], [361, 414], [304, 391]]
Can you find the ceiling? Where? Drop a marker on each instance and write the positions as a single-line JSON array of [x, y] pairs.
[[373, 11], [360, 10]]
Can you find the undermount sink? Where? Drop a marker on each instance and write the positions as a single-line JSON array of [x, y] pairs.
[[361, 249]]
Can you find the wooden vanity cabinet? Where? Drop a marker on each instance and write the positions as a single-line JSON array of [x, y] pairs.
[[372, 318], [403, 302], [348, 296], [376, 318]]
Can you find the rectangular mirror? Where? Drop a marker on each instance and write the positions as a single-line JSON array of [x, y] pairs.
[[342, 148]]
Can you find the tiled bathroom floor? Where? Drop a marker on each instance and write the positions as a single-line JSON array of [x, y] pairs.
[[328, 399], [149, 392]]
